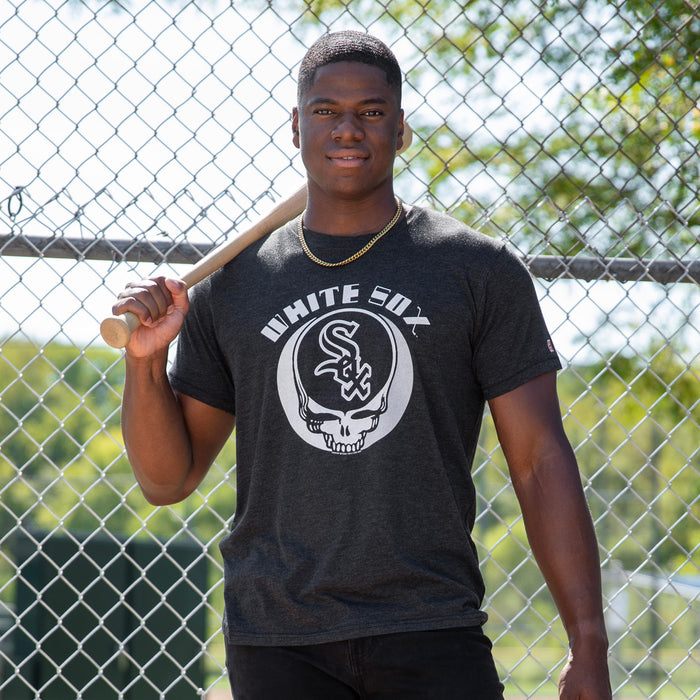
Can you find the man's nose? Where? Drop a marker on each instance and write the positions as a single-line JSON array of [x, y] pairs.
[[348, 128]]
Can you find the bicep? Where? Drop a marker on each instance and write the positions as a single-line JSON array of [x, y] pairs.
[[529, 427], [541, 462], [209, 428]]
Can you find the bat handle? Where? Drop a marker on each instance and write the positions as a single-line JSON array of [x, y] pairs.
[[116, 330]]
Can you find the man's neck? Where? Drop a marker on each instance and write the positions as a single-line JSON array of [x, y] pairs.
[[339, 216]]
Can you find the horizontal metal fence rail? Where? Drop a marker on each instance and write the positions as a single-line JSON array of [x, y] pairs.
[[154, 251]]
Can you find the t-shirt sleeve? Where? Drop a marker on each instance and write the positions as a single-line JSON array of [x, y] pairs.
[[512, 343], [199, 368]]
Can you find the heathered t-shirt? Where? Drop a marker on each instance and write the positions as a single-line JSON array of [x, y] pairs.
[[358, 393]]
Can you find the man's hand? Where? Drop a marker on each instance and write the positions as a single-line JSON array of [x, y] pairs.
[[585, 675], [161, 306]]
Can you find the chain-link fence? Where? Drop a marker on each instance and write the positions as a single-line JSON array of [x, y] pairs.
[[136, 135]]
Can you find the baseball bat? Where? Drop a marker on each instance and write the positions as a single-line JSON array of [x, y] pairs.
[[116, 330]]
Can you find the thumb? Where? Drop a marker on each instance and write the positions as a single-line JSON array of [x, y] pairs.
[[178, 289]]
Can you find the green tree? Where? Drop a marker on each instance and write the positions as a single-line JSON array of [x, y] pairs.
[[634, 424], [62, 462]]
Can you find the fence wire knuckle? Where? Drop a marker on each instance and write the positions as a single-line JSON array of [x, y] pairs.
[[145, 135]]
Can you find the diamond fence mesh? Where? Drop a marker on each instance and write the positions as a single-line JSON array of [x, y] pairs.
[[135, 136]]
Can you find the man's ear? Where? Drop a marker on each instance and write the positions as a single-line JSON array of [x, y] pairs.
[[295, 127], [399, 134]]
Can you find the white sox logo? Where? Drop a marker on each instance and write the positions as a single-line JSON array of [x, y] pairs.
[[344, 379], [345, 364]]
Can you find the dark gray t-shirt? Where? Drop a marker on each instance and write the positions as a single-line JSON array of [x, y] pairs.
[[358, 393]]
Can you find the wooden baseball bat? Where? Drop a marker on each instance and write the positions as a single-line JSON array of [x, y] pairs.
[[116, 330]]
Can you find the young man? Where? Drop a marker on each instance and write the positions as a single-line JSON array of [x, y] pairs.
[[356, 347]]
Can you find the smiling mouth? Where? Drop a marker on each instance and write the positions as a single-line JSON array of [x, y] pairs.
[[342, 160]]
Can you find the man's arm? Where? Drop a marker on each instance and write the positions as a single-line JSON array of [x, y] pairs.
[[559, 527], [171, 439]]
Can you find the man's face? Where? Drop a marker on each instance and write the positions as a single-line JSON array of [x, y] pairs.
[[348, 126]]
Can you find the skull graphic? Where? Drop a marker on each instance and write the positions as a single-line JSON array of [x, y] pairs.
[[343, 431]]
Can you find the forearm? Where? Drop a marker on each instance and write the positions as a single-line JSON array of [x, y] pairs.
[[154, 429], [561, 534]]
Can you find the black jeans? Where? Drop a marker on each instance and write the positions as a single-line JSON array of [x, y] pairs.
[[446, 664]]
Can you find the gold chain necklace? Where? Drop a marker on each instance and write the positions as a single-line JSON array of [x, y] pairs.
[[359, 253]]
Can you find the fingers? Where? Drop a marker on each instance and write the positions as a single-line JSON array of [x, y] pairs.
[[152, 299]]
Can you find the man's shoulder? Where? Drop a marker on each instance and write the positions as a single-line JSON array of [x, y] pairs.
[[446, 226], [434, 228]]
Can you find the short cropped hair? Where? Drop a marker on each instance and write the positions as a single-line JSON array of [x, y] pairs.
[[348, 46]]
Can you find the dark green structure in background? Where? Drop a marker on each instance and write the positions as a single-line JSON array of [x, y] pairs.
[[113, 619]]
